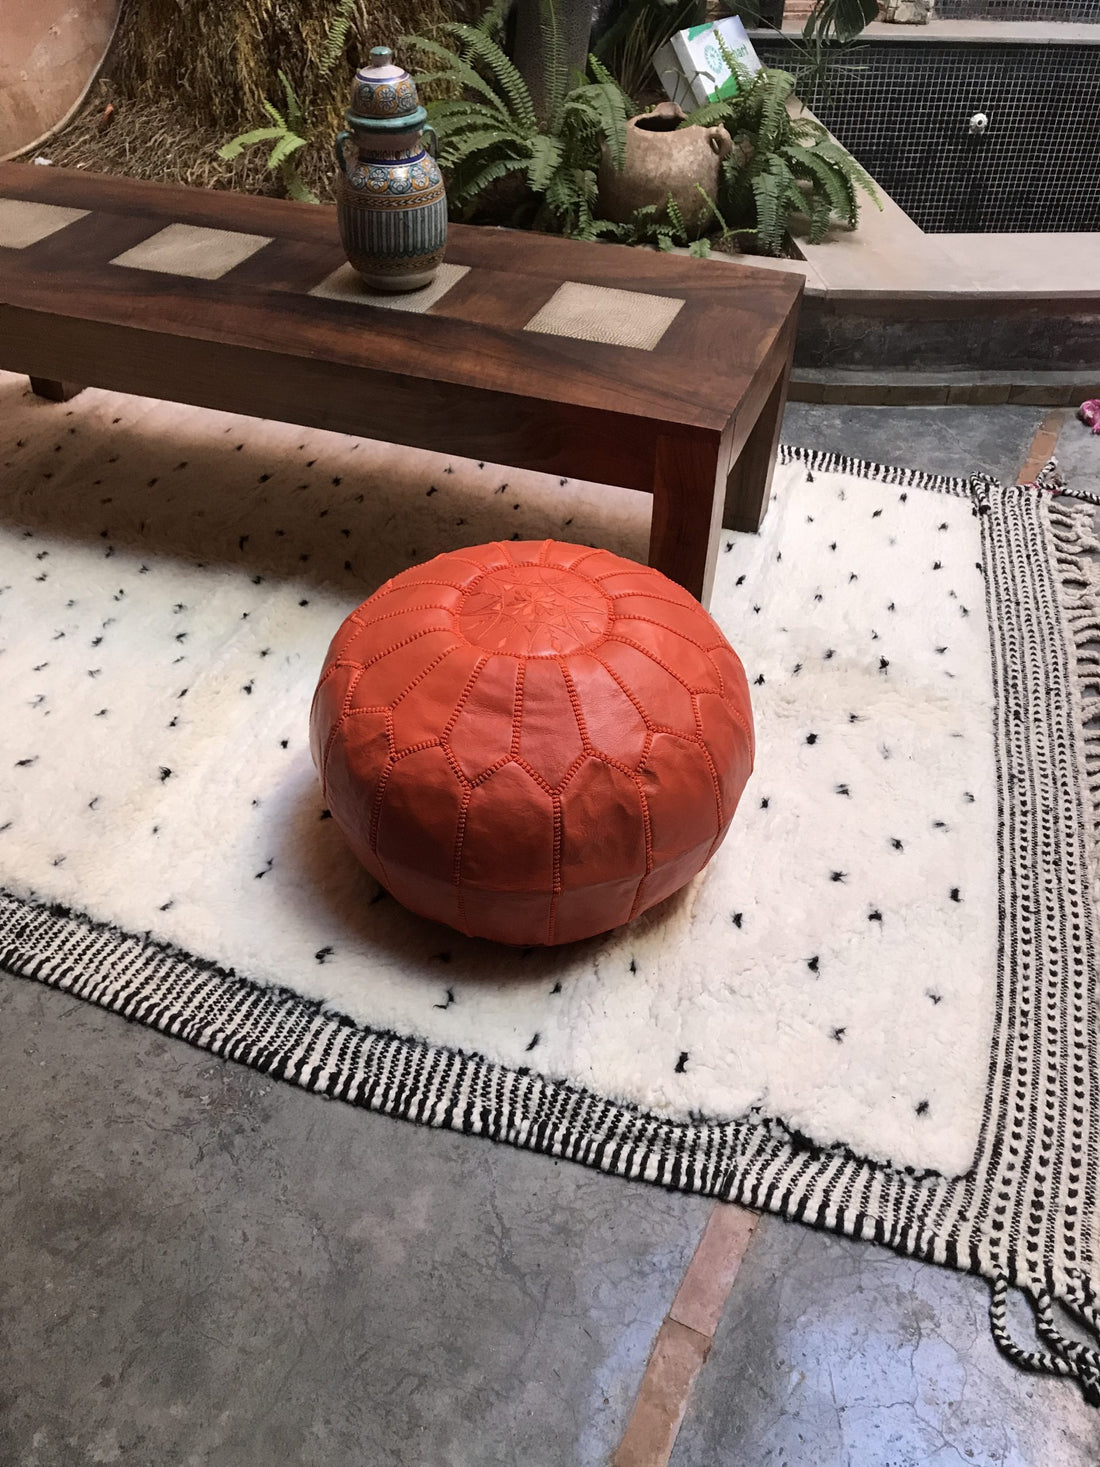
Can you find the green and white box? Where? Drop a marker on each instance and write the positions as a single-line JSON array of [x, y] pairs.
[[691, 66]]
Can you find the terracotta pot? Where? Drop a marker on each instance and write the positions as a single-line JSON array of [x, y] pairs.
[[663, 158]]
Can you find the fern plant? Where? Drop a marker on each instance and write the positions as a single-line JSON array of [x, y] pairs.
[[780, 165], [664, 226], [288, 131], [491, 131]]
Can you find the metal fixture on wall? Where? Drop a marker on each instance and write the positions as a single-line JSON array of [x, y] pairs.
[[978, 124]]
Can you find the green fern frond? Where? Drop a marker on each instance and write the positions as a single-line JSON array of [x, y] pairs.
[[769, 230], [546, 155], [289, 143], [337, 37], [448, 109], [457, 70], [236, 146], [600, 73], [493, 19], [714, 212], [820, 214], [472, 188], [711, 114], [832, 152], [607, 229], [478, 47], [462, 145], [770, 190], [825, 178], [555, 68], [276, 116], [807, 130], [700, 248], [600, 108], [773, 117], [293, 106], [675, 217], [746, 80], [294, 186]]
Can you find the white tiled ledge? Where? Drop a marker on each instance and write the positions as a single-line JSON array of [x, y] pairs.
[[1000, 32]]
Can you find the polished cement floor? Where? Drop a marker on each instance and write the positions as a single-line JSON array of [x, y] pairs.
[[202, 1268]]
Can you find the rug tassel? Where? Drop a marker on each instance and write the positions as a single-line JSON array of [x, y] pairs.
[[1066, 1357]]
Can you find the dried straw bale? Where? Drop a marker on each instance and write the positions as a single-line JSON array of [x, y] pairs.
[[213, 62], [184, 76]]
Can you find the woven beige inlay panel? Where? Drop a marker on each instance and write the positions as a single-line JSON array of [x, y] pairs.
[[23, 223], [346, 284], [192, 250], [598, 313]]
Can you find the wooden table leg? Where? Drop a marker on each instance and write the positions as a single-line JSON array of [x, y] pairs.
[[749, 485], [54, 391], [689, 488]]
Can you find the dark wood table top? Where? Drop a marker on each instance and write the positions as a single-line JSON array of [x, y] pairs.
[[696, 376]]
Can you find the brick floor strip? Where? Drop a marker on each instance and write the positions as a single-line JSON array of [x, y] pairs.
[[1043, 444], [684, 1339]]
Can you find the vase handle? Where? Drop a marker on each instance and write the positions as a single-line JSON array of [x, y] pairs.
[[720, 142], [430, 138], [338, 149]]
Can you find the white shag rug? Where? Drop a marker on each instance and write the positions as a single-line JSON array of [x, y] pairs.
[[829, 1021]]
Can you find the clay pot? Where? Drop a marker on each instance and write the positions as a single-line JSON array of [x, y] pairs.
[[663, 158]]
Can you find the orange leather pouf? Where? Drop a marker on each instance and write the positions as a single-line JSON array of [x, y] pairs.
[[532, 741]]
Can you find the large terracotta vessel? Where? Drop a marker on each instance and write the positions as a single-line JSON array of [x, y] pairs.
[[390, 199], [664, 158]]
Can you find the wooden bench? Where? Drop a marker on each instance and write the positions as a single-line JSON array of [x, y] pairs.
[[592, 361]]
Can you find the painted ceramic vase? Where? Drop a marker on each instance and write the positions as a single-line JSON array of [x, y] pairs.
[[390, 199]]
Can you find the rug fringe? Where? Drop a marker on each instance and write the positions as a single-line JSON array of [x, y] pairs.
[[1064, 1357]]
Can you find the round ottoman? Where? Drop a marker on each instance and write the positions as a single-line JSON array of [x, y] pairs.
[[532, 741]]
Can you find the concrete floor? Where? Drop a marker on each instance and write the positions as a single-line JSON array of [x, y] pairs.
[[206, 1269]]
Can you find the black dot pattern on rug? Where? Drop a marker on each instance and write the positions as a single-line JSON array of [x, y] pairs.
[[238, 547]]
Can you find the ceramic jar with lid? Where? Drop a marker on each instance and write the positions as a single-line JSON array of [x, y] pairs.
[[390, 200]]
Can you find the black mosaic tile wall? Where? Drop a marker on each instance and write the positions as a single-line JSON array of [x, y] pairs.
[[903, 109], [1064, 10]]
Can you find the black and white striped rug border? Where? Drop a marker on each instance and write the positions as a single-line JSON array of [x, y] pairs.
[[841, 463], [1020, 1216]]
